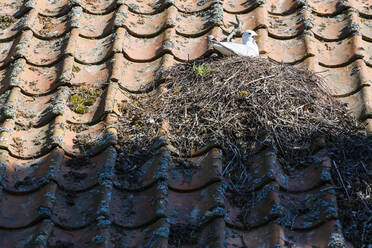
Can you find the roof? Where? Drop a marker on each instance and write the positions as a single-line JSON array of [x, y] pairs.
[[52, 196]]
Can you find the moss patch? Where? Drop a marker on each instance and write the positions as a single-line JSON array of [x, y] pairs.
[[5, 21], [82, 98]]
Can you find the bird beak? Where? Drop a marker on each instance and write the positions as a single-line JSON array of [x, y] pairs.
[[255, 37]]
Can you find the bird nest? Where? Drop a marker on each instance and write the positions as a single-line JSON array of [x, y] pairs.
[[241, 105]]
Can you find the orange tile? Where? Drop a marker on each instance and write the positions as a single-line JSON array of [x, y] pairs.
[[93, 26], [98, 6], [48, 27]]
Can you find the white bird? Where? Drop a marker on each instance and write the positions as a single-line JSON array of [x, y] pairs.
[[248, 48]]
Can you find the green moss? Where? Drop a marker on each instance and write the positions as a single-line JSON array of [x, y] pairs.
[[76, 99], [89, 102], [5, 21], [80, 109], [82, 98]]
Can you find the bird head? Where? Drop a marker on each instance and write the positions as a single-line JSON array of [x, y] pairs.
[[248, 34]]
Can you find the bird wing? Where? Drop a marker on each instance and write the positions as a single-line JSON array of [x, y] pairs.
[[229, 48]]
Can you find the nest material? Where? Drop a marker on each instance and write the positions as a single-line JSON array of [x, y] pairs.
[[242, 104]]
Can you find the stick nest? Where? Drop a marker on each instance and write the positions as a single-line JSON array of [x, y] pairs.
[[237, 102]]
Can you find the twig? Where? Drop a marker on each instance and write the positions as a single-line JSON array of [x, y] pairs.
[[364, 227], [342, 181], [253, 81], [228, 165], [364, 167], [237, 29], [364, 201]]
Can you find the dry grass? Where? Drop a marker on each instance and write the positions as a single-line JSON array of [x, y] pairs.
[[243, 104]]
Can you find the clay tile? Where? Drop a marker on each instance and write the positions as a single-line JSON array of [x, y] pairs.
[[59, 101], [72, 42], [29, 175], [10, 9], [203, 170], [330, 28], [118, 60], [52, 8], [347, 80], [155, 235], [283, 7], [22, 48], [295, 49], [136, 76], [30, 19], [45, 52], [111, 102], [14, 217], [10, 108], [37, 112], [93, 51], [81, 173], [152, 170], [96, 75], [364, 27], [94, 26], [337, 53], [171, 18], [121, 15], [75, 16], [127, 207], [98, 6], [51, 27], [77, 209], [262, 40], [328, 8], [37, 235], [362, 6], [118, 42], [6, 132], [274, 235], [67, 68], [238, 6], [265, 168]]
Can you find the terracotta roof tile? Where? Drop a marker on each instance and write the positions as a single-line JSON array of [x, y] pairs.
[[270, 203], [33, 80], [265, 168], [76, 192], [273, 234], [51, 196]]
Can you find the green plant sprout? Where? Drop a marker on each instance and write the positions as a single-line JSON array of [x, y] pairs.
[[201, 70]]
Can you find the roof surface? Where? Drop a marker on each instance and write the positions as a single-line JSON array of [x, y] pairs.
[[51, 198]]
